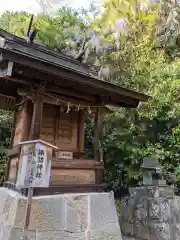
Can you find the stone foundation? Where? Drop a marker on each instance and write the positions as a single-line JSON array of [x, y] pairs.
[[151, 213], [90, 216]]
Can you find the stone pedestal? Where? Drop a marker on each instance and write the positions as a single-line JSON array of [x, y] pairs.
[[90, 216], [151, 213]]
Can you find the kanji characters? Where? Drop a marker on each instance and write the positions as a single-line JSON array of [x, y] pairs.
[[40, 163], [41, 152], [39, 175], [40, 159]]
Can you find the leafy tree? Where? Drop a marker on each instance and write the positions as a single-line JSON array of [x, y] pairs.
[[154, 127], [5, 133], [122, 41], [63, 33]]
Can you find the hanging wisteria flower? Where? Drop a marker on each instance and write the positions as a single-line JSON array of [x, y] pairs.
[[105, 47], [86, 55], [152, 2], [89, 33], [117, 36], [121, 26], [96, 42], [104, 73], [144, 7], [77, 35]]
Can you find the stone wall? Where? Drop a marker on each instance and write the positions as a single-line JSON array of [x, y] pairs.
[[60, 217], [151, 214]]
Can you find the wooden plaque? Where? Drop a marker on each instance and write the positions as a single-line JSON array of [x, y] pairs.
[[64, 155], [72, 176]]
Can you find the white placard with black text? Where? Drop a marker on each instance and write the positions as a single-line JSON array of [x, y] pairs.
[[34, 166]]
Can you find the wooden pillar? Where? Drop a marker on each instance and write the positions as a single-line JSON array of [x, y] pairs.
[[37, 117], [13, 129], [21, 124], [34, 135], [98, 133], [81, 132], [11, 145]]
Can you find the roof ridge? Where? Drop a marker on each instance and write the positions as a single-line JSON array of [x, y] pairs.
[[11, 37]]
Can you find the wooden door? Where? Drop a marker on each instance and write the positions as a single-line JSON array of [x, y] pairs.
[[66, 131], [48, 124], [60, 128]]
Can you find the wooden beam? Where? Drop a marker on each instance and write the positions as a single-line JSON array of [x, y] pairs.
[[67, 91], [15, 151], [54, 84], [7, 69], [79, 78], [76, 164], [13, 130], [99, 176], [34, 135], [46, 56], [20, 80], [71, 88], [27, 120], [98, 133], [37, 117], [81, 131], [59, 189], [11, 146], [52, 99]]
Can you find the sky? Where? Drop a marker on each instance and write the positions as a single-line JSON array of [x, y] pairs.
[[32, 5]]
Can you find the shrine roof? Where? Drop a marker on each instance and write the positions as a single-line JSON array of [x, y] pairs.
[[38, 141], [35, 61]]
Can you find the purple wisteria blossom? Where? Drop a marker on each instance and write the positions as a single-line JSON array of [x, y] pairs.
[[152, 2], [96, 42], [89, 32], [121, 26], [95, 39], [144, 7], [117, 36]]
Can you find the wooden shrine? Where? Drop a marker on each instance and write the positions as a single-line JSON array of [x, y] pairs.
[[51, 95]]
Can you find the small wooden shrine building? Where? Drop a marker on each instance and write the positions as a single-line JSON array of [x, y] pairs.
[[50, 94]]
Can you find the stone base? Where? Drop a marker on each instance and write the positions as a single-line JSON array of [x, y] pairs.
[[152, 191], [151, 213], [90, 216]]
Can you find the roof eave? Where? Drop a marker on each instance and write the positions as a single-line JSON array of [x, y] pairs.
[[8, 44]]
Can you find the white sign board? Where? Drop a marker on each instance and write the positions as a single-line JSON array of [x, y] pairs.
[[65, 155], [34, 166]]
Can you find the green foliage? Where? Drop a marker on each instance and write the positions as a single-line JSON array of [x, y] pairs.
[[88, 146], [151, 129], [123, 38], [154, 127], [63, 32], [16, 23], [5, 133]]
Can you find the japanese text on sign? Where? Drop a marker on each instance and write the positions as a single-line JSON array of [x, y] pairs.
[[34, 167]]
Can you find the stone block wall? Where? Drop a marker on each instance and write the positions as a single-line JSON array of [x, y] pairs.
[[151, 214], [60, 217]]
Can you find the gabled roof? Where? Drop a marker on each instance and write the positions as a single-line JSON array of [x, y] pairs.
[[61, 60], [38, 141], [65, 70]]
